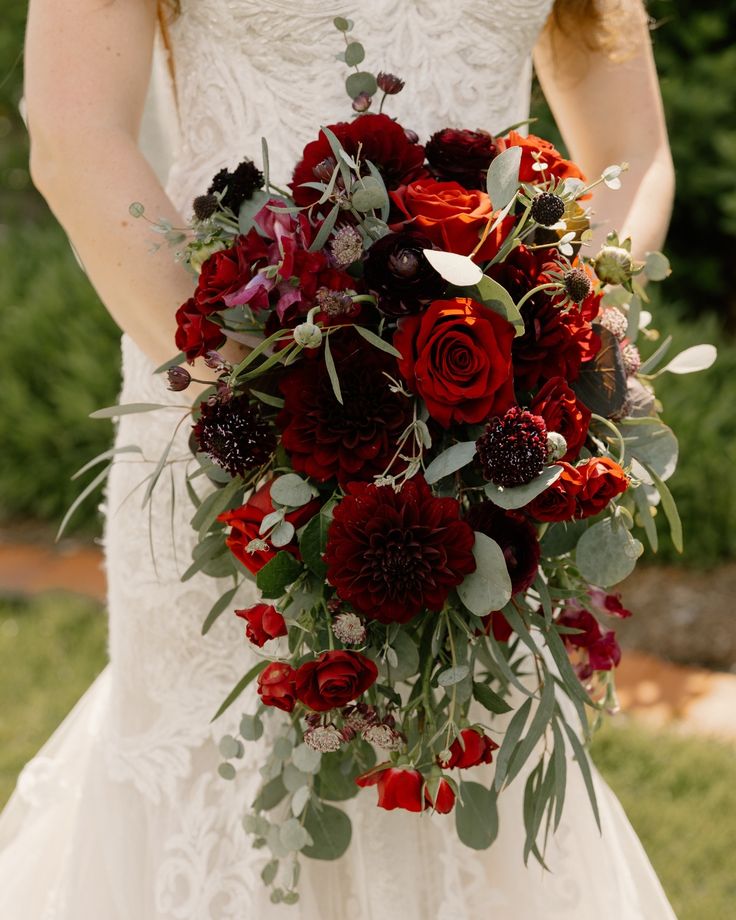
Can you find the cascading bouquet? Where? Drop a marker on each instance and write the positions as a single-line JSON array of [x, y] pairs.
[[433, 464]]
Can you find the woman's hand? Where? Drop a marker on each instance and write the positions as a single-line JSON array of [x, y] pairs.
[[609, 110]]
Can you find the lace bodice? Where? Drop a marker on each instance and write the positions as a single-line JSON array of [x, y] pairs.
[[247, 69]]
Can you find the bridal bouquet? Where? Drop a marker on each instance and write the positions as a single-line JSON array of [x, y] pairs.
[[433, 463]]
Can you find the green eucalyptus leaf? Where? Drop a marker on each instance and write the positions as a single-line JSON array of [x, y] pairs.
[[454, 675], [489, 699], [489, 586], [652, 443], [476, 816], [226, 771], [270, 795], [510, 497], [502, 178], [251, 727], [657, 266], [290, 489], [128, 409], [330, 830], [293, 836], [494, 295], [332, 371], [279, 572], [361, 82], [607, 553], [377, 341], [354, 54], [250, 207], [239, 687], [450, 460]]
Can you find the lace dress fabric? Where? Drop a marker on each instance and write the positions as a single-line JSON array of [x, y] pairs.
[[122, 815]]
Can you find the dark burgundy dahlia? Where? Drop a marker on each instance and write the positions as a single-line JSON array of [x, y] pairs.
[[396, 270], [516, 536], [380, 139], [513, 448], [391, 554], [234, 434], [461, 155], [355, 439]]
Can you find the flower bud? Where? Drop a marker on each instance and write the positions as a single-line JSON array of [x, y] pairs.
[[632, 359], [362, 102], [389, 83], [411, 136], [556, 446], [308, 335], [324, 169], [179, 378], [613, 265], [215, 361]]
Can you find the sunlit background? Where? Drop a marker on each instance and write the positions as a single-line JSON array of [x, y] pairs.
[[59, 361]]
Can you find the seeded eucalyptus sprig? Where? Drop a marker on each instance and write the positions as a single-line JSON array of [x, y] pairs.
[[362, 85]]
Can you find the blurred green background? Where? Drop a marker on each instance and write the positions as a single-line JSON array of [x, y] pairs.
[[59, 354]]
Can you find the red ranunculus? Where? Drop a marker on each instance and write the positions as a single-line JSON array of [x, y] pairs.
[[392, 554], [263, 622], [451, 216], [444, 797], [602, 480], [516, 537], [276, 686], [563, 412], [334, 679], [457, 357], [228, 270], [593, 649], [398, 787], [558, 502], [195, 334], [380, 139], [471, 749], [246, 521], [556, 164]]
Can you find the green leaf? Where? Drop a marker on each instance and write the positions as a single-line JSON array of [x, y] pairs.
[[238, 688], [251, 727], [489, 586], [508, 746], [250, 207], [581, 756], [218, 607], [607, 553], [643, 507], [129, 409], [489, 699], [657, 266], [361, 82], [354, 54], [214, 504], [335, 781], [290, 489], [495, 296], [344, 25], [172, 362], [670, 509], [106, 455], [306, 759], [330, 830], [88, 490], [454, 675], [369, 196], [502, 178], [562, 537], [226, 771], [311, 544], [510, 497], [653, 360], [539, 723], [692, 360], [458, 269], [377, 341], [276, 401], [230, 747], [270, 795], [325, 230], [476, 816], [277, 574], [332, 371], [266, 163], [450, 460], [293, 836], [559, 756], [652, 443], [268, 873]]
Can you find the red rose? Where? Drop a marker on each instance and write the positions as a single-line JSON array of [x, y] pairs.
[[602, 480], [195, 334], [444, 797], [391, 554], [558, 501], [563, 412], [246, 521], [462, 155], [398, 787], [263, 622], [380, 139], [556, 164], [276, 686], [229, 270], [471, 749], [451, 216], [334, 679], [457, 356]]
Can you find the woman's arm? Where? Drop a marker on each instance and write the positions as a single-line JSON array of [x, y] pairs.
[[609, 110], [86, 77]]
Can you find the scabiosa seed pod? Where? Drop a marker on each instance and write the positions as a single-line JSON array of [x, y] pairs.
[[346, 246], [547, 209], [632, 359], [239, 185], [349, 628], [613, 265], [204, 206], [615, 321], [577, 284], [323, 738], [556, 446], [362, 102], [383, 736], [234, 434], [513, 448], [389, 83], [179, 378]]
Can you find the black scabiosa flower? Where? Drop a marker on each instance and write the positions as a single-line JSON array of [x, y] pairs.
[[238, 186], [234, 434], [513, 448], [547, 209]]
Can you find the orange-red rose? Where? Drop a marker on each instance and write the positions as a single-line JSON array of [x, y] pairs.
[[602, 480], [556, 166], [559, 501], [451, 216], [457, 357]]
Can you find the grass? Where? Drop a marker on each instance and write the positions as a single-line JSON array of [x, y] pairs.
[[680, 793]]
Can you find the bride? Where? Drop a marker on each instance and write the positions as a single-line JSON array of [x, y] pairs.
[[122, 816]]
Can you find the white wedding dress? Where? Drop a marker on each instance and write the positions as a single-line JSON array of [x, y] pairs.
[[122, 815]]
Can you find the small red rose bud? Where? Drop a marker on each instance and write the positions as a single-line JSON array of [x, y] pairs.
[[179, 378], [389, 83], [362, 102]]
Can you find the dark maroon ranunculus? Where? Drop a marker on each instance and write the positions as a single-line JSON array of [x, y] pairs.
[[262, 622], [461, 155], [352, 440], [396, 270], [393, 554], [334, 679], [471, 749], [229, 270], [380, 139], [276, 686], [195, 334], [563, 412], [516, 536]]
